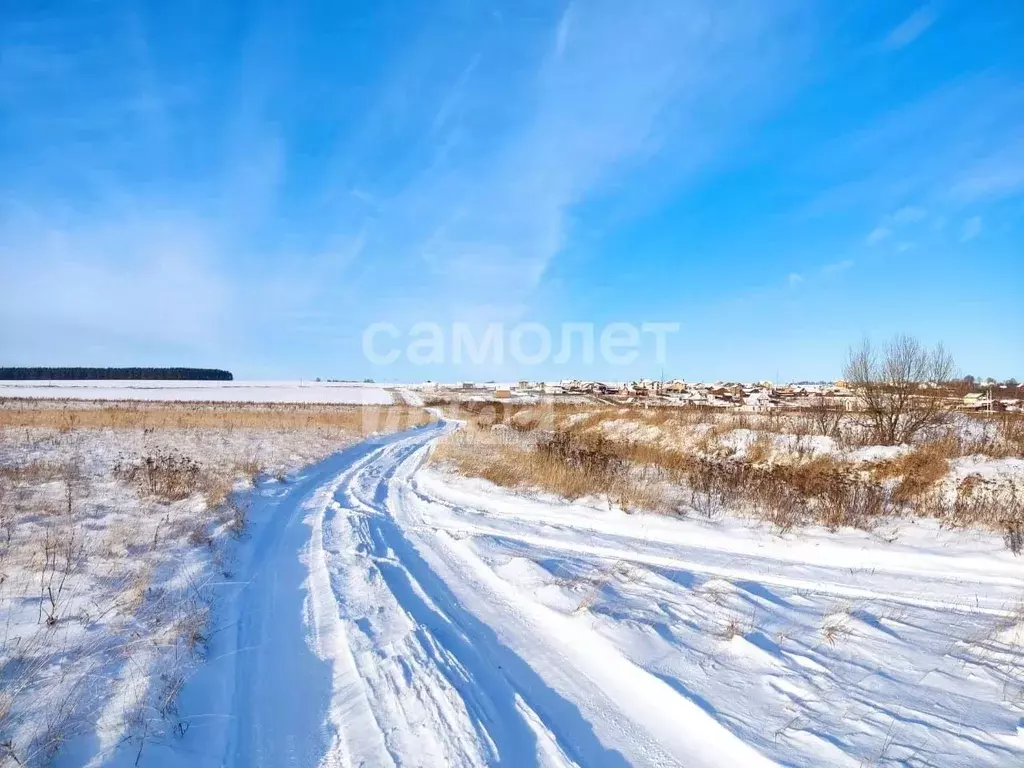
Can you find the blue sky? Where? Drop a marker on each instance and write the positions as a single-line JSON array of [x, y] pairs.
[[249, 185]]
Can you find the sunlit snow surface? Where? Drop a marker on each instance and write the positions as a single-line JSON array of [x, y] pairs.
[[382, 612], [418, 618], [202, 391]]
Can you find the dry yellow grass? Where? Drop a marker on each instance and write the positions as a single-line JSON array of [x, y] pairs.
[[32, 473], [512, 463], [760, 451], [919, 470], [1003, 438], [359, 419], [171, 477], [687, 462]]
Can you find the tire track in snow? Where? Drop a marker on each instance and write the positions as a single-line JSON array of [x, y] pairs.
[[366, 639], [260, 699], [557, 536], [373, 631], [498, 677], [351, 722], [485, 703]]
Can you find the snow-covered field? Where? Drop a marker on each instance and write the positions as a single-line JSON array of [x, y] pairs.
[[202, 391], [106, 583], [379, 611]]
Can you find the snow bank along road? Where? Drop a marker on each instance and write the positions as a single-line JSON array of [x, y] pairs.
[[395, 615]]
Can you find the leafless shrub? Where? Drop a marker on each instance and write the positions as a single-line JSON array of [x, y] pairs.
[[1010, 429], [1011, 519], [854, 503], [200, 536], [561, 462], [773, 421], [63, 548], [893, 385], [854, 433], [433, 401], [802, 446], [979, 502], [7, 519], [823, 489], [1014, 535], [251, 468], [592, 457], [713, 484], [238, 519], [1002, 435], [60, 554], [825, 416], [732, 628], [167, 476], [741, 420]]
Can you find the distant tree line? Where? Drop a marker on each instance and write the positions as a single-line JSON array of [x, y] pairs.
[[100, 374], [974, 382]]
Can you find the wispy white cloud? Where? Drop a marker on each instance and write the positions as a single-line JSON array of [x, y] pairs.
[[992, 178], [910, 214], [911, 28], [614, 87], [450, 177], [878, 234], [962, 142], [837, 266], [138, 282], [452, 189], [453, 97], [971, 229], [562, 33], [899, 221]]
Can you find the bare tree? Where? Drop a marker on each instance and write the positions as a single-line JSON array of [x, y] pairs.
[[825, 416], [897, 387]]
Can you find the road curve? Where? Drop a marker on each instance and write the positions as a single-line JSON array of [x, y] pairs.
[[367, 634]]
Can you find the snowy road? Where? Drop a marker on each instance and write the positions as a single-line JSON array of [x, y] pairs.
[[394, 615]]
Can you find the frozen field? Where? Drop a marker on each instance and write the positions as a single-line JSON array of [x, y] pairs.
[[108, 570], [202, 391]]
